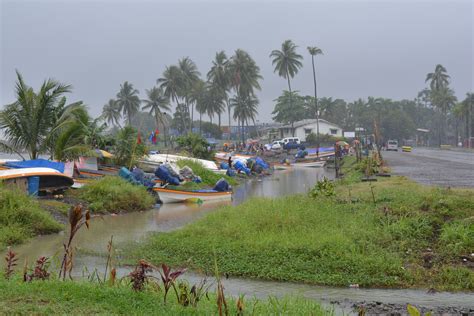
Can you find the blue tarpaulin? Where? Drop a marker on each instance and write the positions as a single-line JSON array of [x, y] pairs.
[[37, 163]]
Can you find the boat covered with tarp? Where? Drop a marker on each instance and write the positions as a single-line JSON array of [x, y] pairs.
[[36, 179]]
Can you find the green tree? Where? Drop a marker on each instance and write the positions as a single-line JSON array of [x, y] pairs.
[[111, 113], [190, 74], [287, 62], [289, 107], [27, 122], [173, 84], [244, 74], [245, 109], [438, 79], [444, 99], [128, 100], [156, 104], [219, 77]]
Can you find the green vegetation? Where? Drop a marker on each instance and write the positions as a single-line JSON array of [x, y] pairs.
[[195, 145], [55, 297], [411, 236], [208, 177], [114, 195], [21, 217]]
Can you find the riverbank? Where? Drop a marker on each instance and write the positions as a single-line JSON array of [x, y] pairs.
[[23, 217], [389, 233], [50, 297]]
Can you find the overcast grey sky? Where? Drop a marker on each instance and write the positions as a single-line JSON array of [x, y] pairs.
[[371, 48]]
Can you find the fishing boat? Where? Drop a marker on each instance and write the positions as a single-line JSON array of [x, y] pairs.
[[36, 179], [224, 157], [176, 196], [309, 164]]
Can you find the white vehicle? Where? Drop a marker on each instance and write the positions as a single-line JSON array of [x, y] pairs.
[[276, 145], [291, 140], [392, 145]]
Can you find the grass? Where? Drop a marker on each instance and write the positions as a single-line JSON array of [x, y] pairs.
[[114, 195], [22, 217], [55, 297], [208, 177], [413, 236]]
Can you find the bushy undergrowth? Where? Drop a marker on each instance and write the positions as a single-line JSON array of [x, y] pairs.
[[411, 236], [55, 297], [208, 177], [113, 195], [21, 217]]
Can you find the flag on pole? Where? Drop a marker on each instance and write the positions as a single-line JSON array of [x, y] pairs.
[[139, 139], [152, 137]]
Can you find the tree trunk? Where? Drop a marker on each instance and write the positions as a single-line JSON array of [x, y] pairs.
[[289, 89], [200, 123], [228, 110], [192, 116], [317, 107]]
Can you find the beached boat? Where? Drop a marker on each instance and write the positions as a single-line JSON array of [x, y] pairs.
[[309, 164], [224, 157], [176, 196], [47, 179], [151, 162]]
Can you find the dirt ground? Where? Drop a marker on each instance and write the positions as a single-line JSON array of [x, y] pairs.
[[433, 166]]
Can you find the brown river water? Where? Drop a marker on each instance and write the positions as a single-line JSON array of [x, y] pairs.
[[134, 227]]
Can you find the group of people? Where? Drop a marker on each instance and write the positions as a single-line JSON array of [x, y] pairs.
[[255, 147]]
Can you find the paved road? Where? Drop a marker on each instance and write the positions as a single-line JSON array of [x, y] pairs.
[[434, 166]]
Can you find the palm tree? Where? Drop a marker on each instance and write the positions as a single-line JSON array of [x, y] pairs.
[[244, 74], [219, 78], [444, 99], [287, 63], [157, 103], [173, 84], [438, 79], [111, 113], [245, 109], [467, 105], [190, 75], [128, 101], [214, 102], [314, 51], [27, 122]]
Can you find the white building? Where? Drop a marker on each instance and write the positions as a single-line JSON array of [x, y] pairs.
[[308, 126]]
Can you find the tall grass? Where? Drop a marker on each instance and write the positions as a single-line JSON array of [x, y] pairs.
[[335, 240], [55, 297], [21, 217], [113, 195]]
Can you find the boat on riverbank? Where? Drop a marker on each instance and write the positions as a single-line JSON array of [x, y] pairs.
[[36, 179], [176, 196], [299, 164]]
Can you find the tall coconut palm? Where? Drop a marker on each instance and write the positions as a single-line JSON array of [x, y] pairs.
[[128, 101], [27, 122], [438, 79], [314, 51], [443, 99], [157, 103], [287, 62], [173, 84], [244, 74], [214, 102], [219, 78], [111, 113], [245, 109], [190, 75]]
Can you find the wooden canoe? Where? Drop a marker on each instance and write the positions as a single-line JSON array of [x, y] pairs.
[[176, 196]]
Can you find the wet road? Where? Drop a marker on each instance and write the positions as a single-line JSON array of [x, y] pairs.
[[434, 166]]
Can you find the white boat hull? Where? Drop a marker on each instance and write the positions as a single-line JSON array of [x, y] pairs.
[[177, 196], [309, 164]]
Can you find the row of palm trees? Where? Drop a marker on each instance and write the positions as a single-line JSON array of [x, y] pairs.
[[183, 86], [230, 84]]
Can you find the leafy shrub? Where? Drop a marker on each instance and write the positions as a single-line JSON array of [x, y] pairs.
[[323, 187], [195, 145], [113, 194], [21, 217], [126, 149]]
